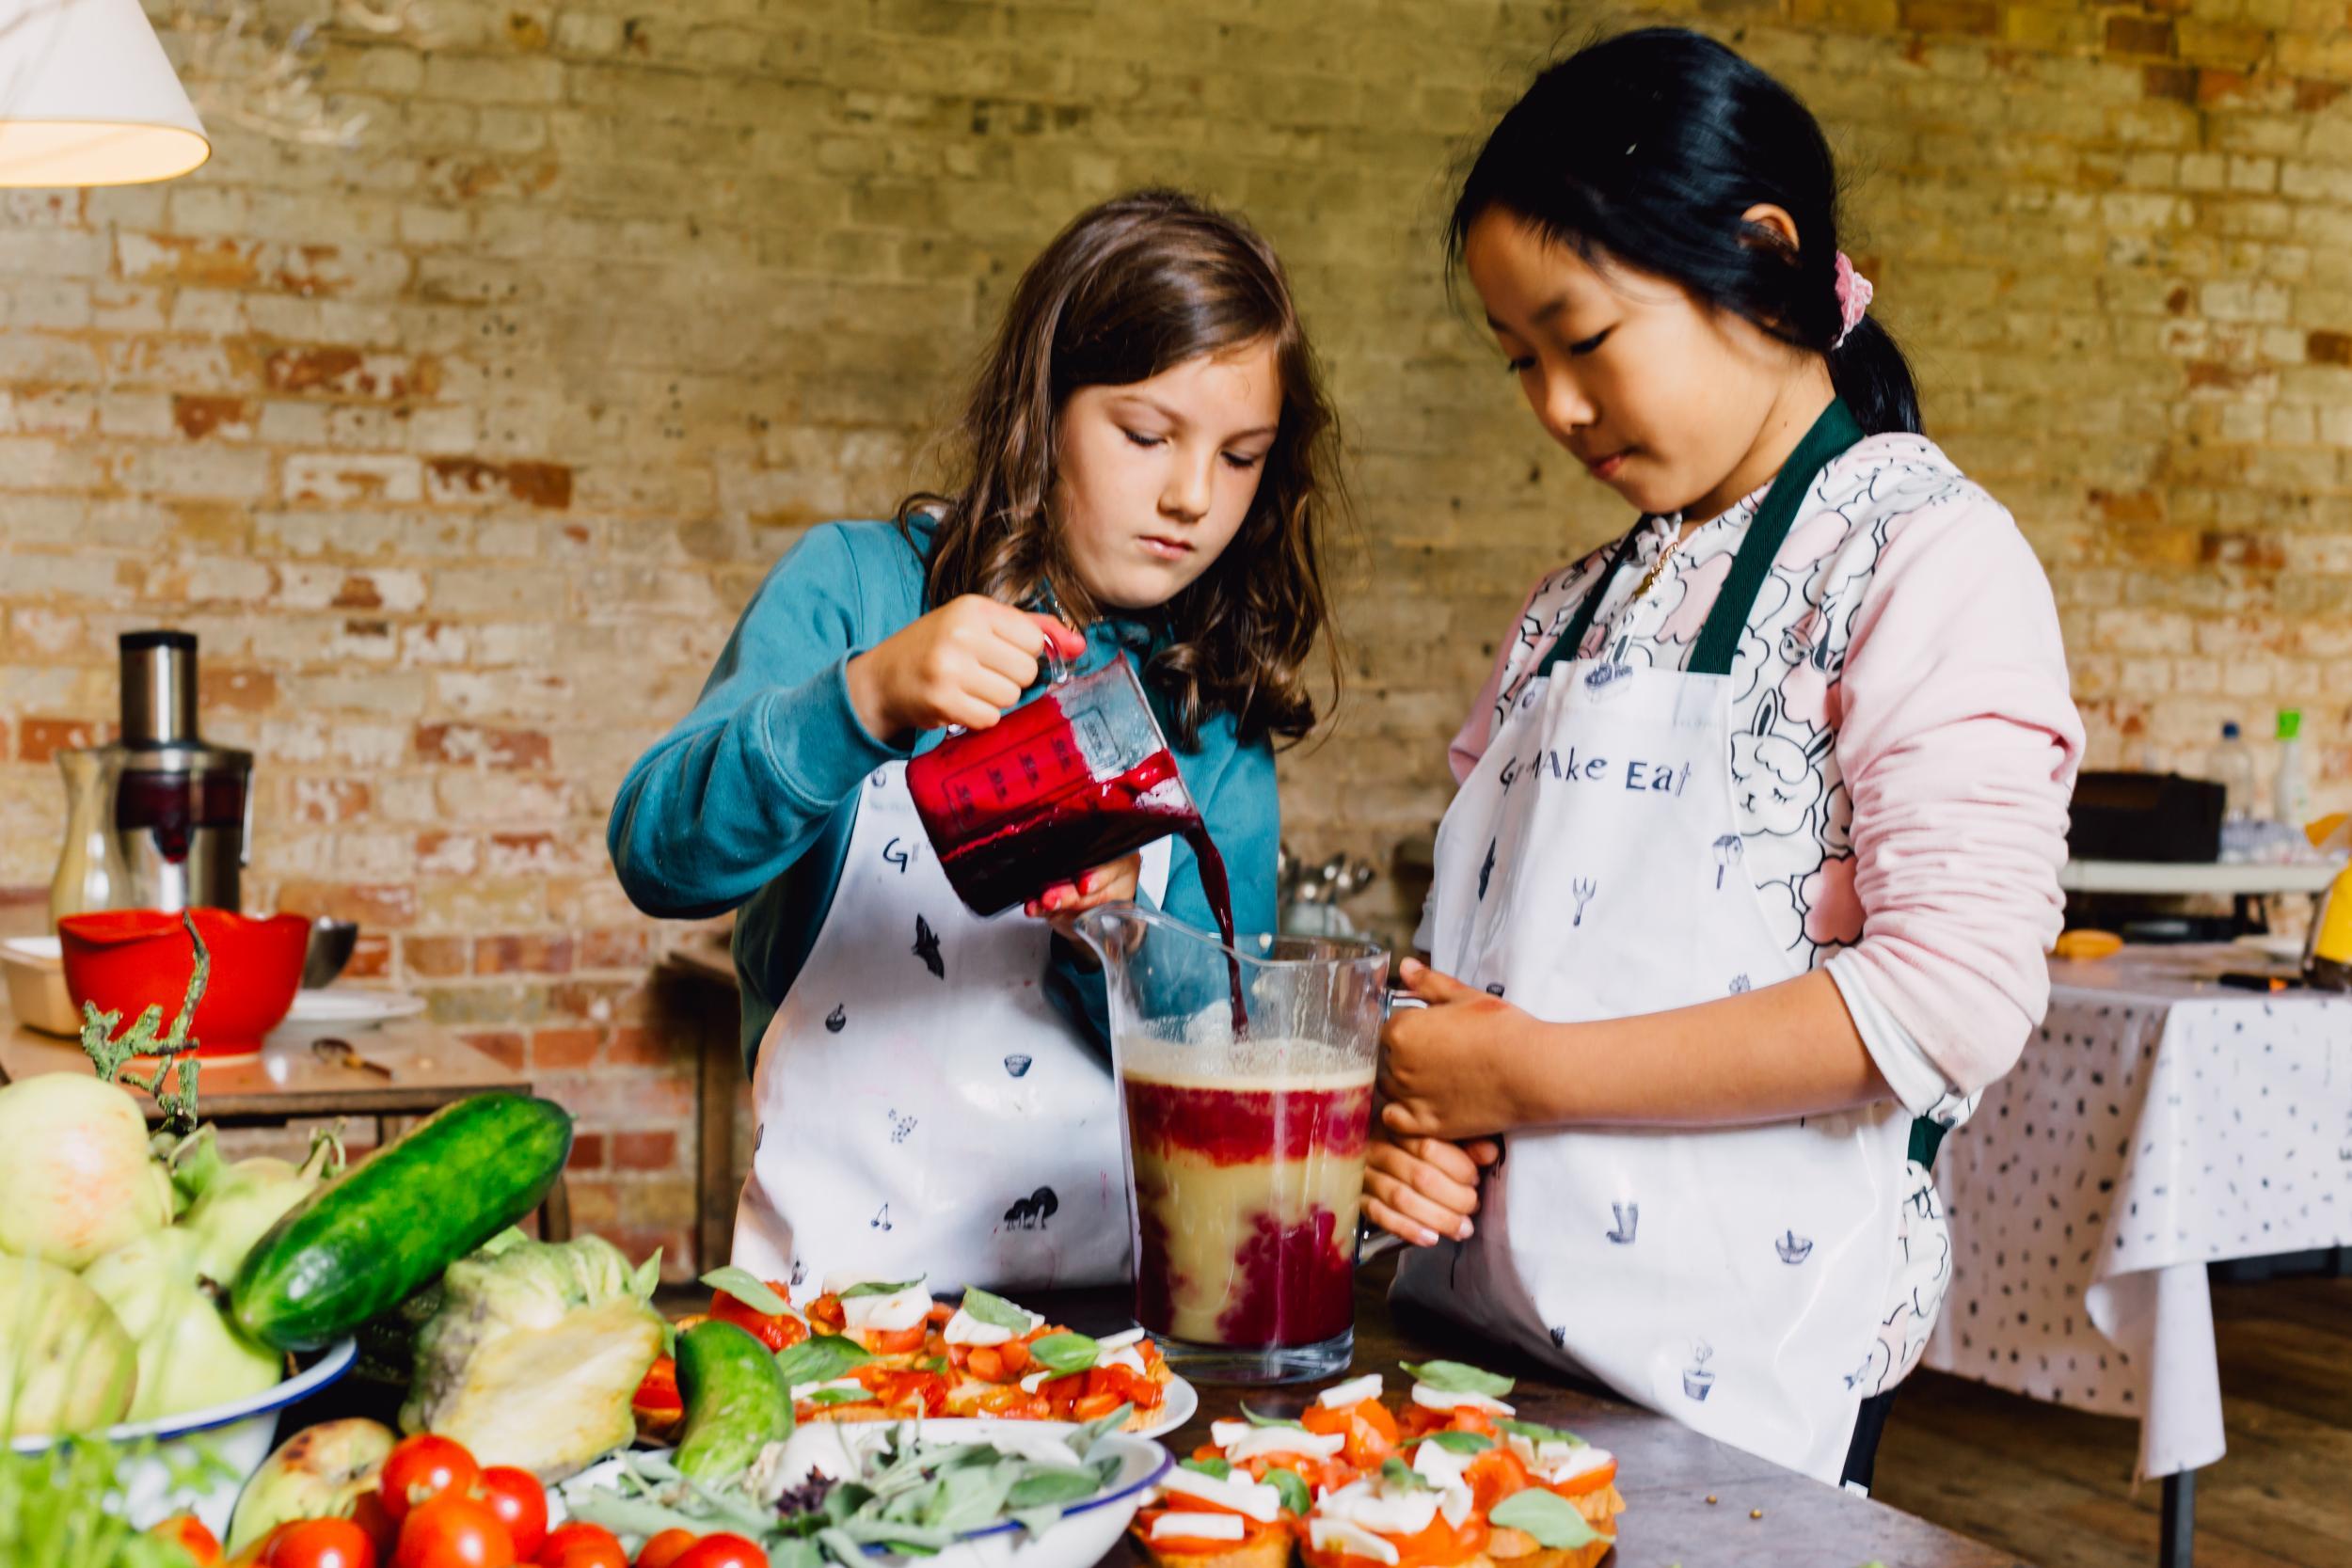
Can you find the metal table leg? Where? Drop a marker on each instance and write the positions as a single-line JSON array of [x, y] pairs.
[[2176, 1546]]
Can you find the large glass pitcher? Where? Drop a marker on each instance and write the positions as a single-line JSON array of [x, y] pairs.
[[1245, 1148]]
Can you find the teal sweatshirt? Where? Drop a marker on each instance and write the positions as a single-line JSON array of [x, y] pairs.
[[750, 799]]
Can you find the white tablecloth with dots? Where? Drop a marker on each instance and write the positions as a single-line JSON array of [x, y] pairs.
[[2157, 1122]]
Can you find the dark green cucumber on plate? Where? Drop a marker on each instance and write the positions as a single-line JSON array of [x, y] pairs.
[[362, 1245], [737, 1401]]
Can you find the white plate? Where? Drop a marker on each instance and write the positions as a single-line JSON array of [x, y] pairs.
[[1086, 1533], [1182, 1402], [239, 1434], [321, 1010]]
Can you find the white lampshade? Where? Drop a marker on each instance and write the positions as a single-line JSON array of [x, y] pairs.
[[86, 97]]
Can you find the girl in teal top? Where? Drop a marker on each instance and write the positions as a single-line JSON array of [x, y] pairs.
[[1147, 438]]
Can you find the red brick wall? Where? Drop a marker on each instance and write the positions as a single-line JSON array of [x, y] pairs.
[[462, 446]]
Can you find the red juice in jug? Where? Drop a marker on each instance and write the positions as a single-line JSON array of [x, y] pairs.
[[1074, 778]]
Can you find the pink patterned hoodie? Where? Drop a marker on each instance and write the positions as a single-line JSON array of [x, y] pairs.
[[1904, 745]]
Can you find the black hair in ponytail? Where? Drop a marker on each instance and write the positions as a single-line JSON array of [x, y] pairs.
[[1646, 148]]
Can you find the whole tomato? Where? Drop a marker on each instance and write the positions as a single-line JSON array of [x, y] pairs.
[[721, 1551], [453, 1531], [664, 1549], [322, 1543], [582, 1545], [421, 1468], [520, 1503]]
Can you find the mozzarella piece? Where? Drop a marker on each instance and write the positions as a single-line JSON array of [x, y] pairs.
[[1119, 1340], [892, 1314], [1440, 1398], [1034, 1380], [965, 1329], [1327, 1536], [1237, 1492], [809, 1390], [1124, 1356], [1400, 1513], [1190, 1524], [1555, 1461], [1443, 1470], [1353, 1391], [1240, 1441]]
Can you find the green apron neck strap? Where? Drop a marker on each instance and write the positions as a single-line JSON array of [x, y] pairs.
[[1719, 638]]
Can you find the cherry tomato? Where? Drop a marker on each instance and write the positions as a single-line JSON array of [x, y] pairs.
[[375, 1518], [453, 1531], [257, 1553], [721, 1551], [895, 1341], [776, 1330], [986, 1363], [322, 1543], [825, 1314], [664, 1548], [581, 1546], [187, 1532], [421, 1468], [658, 1395], [520, 1503]]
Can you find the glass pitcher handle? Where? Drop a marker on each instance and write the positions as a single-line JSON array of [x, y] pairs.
[[1371, 1241]]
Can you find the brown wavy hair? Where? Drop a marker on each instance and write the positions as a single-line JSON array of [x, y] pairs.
[[1130, 288]]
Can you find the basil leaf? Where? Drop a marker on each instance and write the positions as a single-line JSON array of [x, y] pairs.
[[934, 1364], [877, 1287], [1296, 1497], [1083, 1440], [1258, 1420], [1051, 1485], [1461, 1442], [1215, 1468], [821, 1359], [996, 1311], [1454, 1377], [1548, 1516], [1535, 1432], [839, 1396], [1395, 1472], [1064, 1354], [747, 1287]]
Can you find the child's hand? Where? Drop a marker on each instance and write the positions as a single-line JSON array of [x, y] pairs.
[[1448, 1070], [1105, 884], [1425, 1190], [964, 663]]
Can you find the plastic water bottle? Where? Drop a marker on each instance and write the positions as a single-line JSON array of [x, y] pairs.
[[2232, 765], [2290, 791]]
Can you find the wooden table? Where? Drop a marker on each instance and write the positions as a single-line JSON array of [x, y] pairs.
[[1667, 1471], [289, 1082]]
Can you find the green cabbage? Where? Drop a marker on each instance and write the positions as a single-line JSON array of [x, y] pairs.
[[533, 1354]]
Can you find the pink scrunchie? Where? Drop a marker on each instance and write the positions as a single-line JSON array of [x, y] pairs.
[[1853, 300]]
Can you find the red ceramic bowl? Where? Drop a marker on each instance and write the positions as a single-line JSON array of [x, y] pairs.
[[123, 960]]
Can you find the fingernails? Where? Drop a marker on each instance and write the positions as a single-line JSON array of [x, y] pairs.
[[1463, 1234], [1091, 881], [1428, 1238]]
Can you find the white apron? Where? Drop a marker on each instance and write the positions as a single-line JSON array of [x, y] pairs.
[[1733, 1278], [921, 1107]]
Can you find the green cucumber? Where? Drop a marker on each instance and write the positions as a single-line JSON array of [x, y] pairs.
[[737, 1401], [360, 1245]]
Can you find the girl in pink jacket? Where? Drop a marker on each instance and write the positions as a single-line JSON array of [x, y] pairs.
[[1746, 895]]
